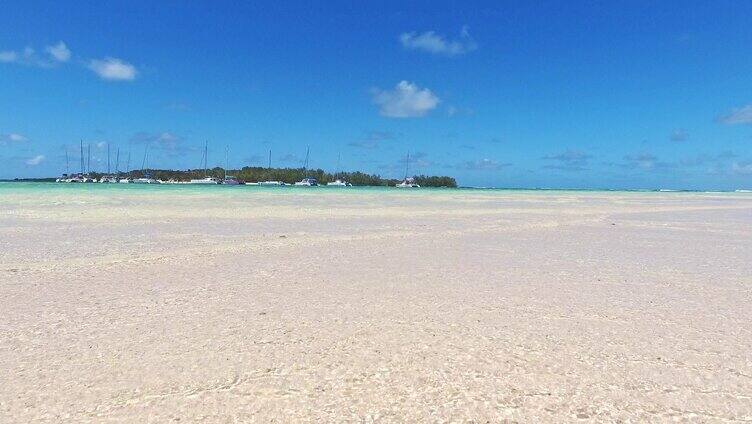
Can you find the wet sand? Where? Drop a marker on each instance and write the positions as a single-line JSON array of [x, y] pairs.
[[139, 306]]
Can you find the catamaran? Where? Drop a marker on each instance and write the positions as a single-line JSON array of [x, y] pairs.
[[307, 181], [408, 182], [207, 180]]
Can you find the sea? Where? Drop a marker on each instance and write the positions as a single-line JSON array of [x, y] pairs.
[[24, 187]]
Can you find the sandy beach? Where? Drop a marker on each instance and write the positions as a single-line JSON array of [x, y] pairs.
[[242, 305]]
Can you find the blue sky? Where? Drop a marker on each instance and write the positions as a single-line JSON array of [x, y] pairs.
[[552, 94]]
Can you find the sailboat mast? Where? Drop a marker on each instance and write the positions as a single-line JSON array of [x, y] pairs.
[[82, 157], [143, 162], [227, 159], [88, 158], [206, 158], [108, 158], [407, 163], [270, 158], [117, 161], [128, 162], [67, 170], [336, 170]]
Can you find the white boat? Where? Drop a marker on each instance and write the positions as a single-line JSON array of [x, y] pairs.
[[109, 178], [338, 183], [80, 177], [408, 183], [126, 180], [307, 182], [230, 180], [205, 181], [269, 183], [145, 180], [89, 179]]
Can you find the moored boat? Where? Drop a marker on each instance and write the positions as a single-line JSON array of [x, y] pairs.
[[307, 182], [338, 183]]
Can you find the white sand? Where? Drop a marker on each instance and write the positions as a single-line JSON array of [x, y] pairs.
[[397, 307]]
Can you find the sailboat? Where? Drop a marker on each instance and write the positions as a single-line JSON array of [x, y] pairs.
[[207, 179], [229, 179], [307, 181], [87, 176], [78, 178], [408, 182], [127, 179], [271, 183], [146, 178], [64, 178], [108, 178], [338, 182]]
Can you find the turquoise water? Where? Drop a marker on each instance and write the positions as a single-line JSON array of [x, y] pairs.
[[52, 187]]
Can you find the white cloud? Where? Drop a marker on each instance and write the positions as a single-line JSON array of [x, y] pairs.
[[744, 168], [8, 56], [679, 135], [113, 69], [25, 57], [570, 160], [36, 160], [59, 52], [163, 140], [431, 42], [12, 138], [485, 165], [406, 100], [742, 115]]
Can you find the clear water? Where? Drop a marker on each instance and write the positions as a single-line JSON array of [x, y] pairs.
[[13, 187]]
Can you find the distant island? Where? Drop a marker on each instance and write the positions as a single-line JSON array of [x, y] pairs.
[[286, 175]]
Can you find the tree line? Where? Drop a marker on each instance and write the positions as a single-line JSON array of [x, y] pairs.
[[288, 175]]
